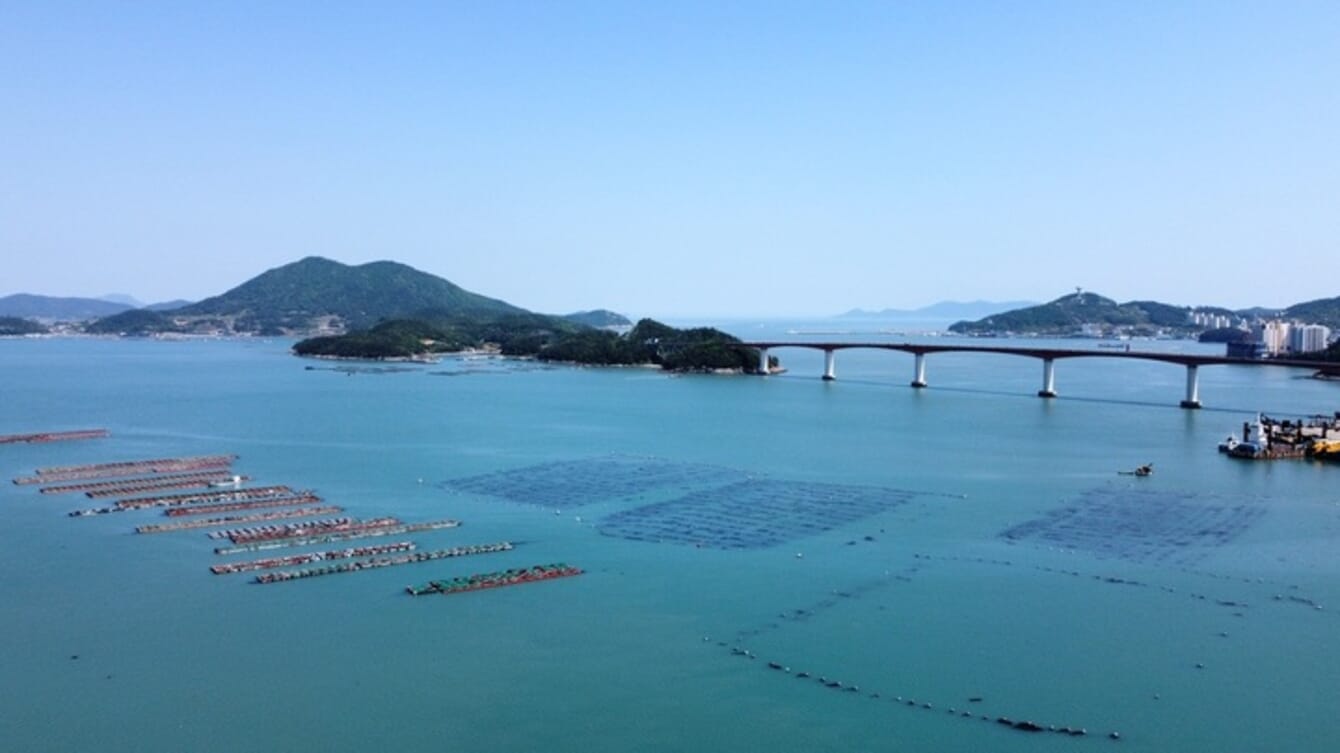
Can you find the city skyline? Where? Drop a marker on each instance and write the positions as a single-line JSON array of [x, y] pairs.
[[750, 160]]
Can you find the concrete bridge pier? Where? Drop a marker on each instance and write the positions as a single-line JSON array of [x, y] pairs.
[[1048, 378], [919, 378], [830, 359], [763, 361], [1192, 388]]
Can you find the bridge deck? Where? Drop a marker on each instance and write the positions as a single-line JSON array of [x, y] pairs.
[[1184, 359]]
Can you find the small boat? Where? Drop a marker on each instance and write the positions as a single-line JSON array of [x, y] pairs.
[[1145, 470]]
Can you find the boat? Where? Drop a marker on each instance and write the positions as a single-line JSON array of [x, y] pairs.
[[1145, 470]]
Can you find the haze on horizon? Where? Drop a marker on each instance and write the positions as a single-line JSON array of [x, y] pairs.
[[677, 159]]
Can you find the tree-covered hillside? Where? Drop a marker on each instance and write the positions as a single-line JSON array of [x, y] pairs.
[[1321, 311], [546, 338], [13, 325], [294, 296], [1070, 314]]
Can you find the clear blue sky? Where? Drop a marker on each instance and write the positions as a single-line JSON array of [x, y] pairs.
[[676, 158]]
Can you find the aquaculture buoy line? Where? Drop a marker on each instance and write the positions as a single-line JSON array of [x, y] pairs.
[[1238, 603], [910, 702]]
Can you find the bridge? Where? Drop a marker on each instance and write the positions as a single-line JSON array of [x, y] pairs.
[[1048, 356]]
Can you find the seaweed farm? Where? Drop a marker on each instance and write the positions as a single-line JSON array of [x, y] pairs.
[[753, 514], [776, 564], [120, 478], [574, 483], [1141, 525]]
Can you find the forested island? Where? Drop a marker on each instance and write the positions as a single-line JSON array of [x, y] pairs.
[[545, 338]]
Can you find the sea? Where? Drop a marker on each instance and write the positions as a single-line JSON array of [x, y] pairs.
[[769, 564]]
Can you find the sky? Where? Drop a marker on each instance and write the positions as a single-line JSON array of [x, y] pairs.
[[679, 158]]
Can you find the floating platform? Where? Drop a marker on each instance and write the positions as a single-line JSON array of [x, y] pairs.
[[246, 501], [313, 528], [498, 579], [186, 525], [310, 557], [376, 562], [302, 498], [132, 486], [53, 436], [127, 468], [327, 538], [227, 495]]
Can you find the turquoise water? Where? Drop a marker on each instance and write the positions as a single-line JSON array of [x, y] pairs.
[[938, 607]]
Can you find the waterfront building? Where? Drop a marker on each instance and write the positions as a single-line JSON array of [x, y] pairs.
[[1272, 335], [1308, 338]]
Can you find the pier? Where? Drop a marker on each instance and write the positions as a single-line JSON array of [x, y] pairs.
[[1048, 356]]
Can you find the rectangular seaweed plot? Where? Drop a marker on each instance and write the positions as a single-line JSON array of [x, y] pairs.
[[575, 483], [752, 514], [1141, 525]]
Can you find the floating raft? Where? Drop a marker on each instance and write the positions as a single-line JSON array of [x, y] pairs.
[[303, 498], [222, 495], [295, 530], [123, 487], [185, 525], [310, 557], [499, 579], [327, 538], [183, 500], [376, 562], [127, 468], [53, 436]]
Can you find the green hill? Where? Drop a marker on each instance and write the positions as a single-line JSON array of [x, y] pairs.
[[315, 292], [133, 323], [1321, 311], [1071, 314], [13, 325], [599, 318], [28, 306]]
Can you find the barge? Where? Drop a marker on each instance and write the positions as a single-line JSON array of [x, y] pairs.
[[327, 538], [53, 436], [497, 579], [310, 557], [301, 498], [1269, 438], [231, 495], [186, 525], [127, 468], [313, 528], [376, 562]]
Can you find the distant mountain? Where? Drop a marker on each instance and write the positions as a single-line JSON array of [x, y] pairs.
[[1321, 311], [599, 318], [134, 323], [49, 308], [1072, 314], [168, 305], [128, 300], [941, 310], [317, 293]]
